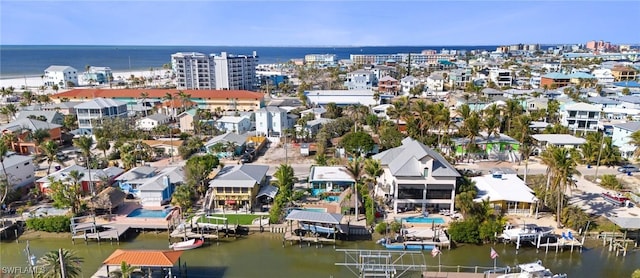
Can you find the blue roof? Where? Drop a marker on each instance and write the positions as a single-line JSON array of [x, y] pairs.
[[581, 75], [629, 84], [556, 75], [602, 100]]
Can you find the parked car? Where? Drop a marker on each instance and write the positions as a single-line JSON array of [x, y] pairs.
[[246, 158], [628, 169]]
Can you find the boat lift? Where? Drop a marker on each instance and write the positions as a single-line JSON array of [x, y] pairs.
[[382, 263]]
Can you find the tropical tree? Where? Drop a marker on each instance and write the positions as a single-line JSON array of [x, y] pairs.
[[183, 197], [59, 263], [634, 140], [103, 145], [84, 143], [125, 271], [562, 164], [50, 151], [357, 143], [5, 178], [355, 168], [373, 169], [39, 136], [198, 169]]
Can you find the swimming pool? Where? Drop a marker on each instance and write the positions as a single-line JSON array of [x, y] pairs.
[[309, 209], [422, 219], [332, 198], [145, 213]]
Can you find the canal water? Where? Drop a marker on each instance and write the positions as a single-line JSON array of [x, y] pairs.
[[262, 255]]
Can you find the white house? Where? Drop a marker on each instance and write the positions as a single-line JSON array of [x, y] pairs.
[[360, 80], [435, 82], [604, 76], [407, 83], [417, 176], [272, 121], [317, 112], [235, 124], [60, 76], [152, 121], [20, 170], [581, 117], [157, 190], [506, 193], [620, 137], [91, 113], [501, 77], [345, 97]]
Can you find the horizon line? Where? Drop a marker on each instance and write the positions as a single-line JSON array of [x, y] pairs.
[[318, 46]]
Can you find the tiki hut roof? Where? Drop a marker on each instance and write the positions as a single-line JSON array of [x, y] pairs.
[[109, 198], [349, 202]]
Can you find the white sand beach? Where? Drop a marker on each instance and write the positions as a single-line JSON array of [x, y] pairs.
[[34, 83]]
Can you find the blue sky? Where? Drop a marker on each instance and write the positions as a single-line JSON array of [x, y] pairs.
[[316, 23]]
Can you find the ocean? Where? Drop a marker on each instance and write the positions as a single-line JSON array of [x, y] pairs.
[[32, 60]]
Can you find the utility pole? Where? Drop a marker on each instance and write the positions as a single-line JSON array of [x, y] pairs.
[[62, 270], [31, 260]]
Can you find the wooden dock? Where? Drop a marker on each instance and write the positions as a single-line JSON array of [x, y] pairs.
[[318, 240], [190, 234], [90, 232], [436, 274]]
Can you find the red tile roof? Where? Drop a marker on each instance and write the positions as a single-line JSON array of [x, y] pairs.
[[157, 93], [144, 258]]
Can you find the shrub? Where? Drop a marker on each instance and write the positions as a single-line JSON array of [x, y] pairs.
[[52, 224], [381, 228], [465, 231], [610, 182], [396, 226]]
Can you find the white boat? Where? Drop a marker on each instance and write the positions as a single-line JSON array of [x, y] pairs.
[[526, 232], [533, 270], [187, 245], [317, 228]]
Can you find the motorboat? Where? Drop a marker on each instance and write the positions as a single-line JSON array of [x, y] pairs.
[[533, 270], [187, 244], [527, 232], [317, 228], [616, 199]]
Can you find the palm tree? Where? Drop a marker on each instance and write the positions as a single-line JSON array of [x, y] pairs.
[[50, 151], [38, 136], [471, 129], [562, 165], [634, 139], [421, 110], [284, 177], [144, 96], [373, 169], [184, 99], [125, 271], [355, 169], [59, 263], [11, 110], [230, 147], [103, 145], [5, 182], [84, 143]]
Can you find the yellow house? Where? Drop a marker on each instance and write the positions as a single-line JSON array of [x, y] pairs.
[[506, 192], [237, 186]]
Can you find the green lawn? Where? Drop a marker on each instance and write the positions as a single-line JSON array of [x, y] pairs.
[[242, 219]]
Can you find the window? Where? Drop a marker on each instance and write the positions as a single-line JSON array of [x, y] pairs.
[[425, 172], [26, 163]]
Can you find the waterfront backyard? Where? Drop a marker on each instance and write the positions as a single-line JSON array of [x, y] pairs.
[[262, 255]]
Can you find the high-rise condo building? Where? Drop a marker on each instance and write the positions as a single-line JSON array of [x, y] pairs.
[[197, 71]]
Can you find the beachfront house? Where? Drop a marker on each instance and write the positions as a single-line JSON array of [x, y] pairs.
[[91, 113], [20, 170], [157, 190], [416, 176], [22, 131], [61, 76], [97, 75], [330, 180], [237, 186], [580, 117], [152, 121], [506, 193]]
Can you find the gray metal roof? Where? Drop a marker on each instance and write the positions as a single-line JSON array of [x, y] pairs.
[[627, 223], [272, 109], [268, 190], [59, 68], [239, 176], [239, 139], [559, 139], [404, 160], [159, 117], [99, 103], [314, 216], [630, 126], [136, 173], [29, 124], [49, 115], [13, 159]]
